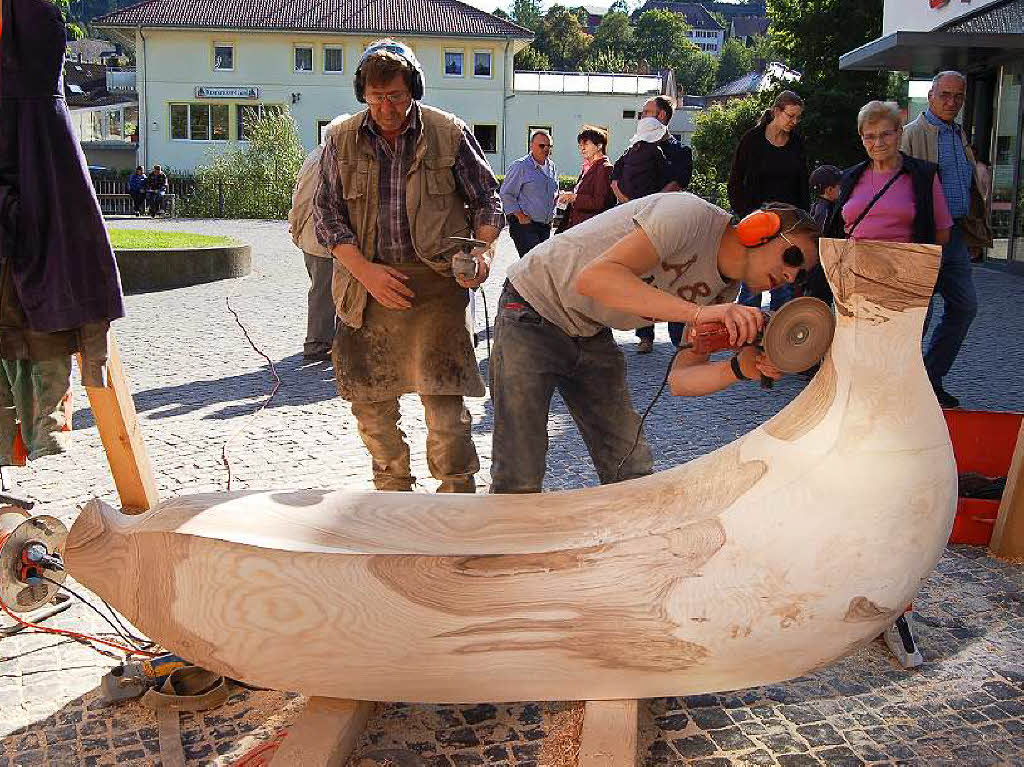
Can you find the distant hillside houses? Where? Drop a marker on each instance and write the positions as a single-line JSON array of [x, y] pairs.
[[705, 31]]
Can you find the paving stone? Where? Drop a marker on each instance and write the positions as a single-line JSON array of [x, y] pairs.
[[823, 734], [731, 739], [711, 718], [694, 746], [839, 756]]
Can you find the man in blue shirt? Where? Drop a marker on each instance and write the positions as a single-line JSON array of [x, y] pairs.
[[936, 137], [528, 194]]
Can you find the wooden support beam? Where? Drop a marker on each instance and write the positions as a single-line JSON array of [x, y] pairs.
[[325, 734], [609, 734], [114, 413], [1008, 535]]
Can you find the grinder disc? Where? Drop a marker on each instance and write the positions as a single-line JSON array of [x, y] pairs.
[[799, 334], [17, 532]]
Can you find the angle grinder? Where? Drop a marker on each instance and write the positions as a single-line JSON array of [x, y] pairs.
[[464, 263], [30, 547], [794, 338]]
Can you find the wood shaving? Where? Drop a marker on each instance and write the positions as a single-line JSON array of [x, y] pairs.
[[562, 745]]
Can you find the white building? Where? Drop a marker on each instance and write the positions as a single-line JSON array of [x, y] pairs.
[[203, 66]]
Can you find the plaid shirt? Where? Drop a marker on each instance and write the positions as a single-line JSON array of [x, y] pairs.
[[954, 168], [474, 181]]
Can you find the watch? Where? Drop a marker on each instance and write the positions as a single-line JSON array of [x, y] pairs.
[[737, 371]]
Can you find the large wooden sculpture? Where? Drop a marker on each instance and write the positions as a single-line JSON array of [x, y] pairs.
[[768, 558]]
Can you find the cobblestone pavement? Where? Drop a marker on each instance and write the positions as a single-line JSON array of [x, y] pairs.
[[196, 380]]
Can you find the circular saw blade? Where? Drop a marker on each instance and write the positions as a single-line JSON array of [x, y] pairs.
[[799, 334]]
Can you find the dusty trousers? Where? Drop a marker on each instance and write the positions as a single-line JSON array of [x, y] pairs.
[[451, 454], [320, 320], [32, 392], [533, 357]]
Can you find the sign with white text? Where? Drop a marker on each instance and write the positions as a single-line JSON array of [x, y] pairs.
[[218, 92]]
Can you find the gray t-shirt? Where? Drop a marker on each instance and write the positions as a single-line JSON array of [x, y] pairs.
[[685, 231]]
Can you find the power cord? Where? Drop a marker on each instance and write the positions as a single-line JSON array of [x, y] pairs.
[[647, 412]]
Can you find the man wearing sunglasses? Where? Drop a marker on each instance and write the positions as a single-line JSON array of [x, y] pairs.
[[396, 181], [528, 194], [665, 257]]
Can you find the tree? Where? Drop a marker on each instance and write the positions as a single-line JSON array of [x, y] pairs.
[[619, 6], [736, 60], [695, 71], [501, 14], [526, 13], [614, 35], [531, 60], [562, 39], [251, 180], [719, 130], [607, 61], [659, 37], [810, 37], [763, 49]]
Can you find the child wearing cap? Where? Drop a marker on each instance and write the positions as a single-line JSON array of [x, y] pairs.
[[825, 185]]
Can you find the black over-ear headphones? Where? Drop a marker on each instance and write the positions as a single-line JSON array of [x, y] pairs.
[[399, 49]]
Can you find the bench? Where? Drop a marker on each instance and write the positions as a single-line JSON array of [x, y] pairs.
[[120, 204]]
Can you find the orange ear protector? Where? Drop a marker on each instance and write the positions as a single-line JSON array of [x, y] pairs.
[[758, 228]]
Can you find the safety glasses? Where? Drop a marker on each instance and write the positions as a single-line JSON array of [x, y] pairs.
[[793, 257]]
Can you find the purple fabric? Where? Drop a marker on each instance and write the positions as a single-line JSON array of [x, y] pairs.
[[51, 228]]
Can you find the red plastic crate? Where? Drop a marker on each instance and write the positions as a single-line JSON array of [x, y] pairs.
[[983, 442]]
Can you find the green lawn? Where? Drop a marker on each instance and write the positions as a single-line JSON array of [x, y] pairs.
[[142, 239]]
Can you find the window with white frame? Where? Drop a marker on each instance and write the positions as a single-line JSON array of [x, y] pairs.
[[303, 58], [482, 63], [199, 122], [334, 59], [453, 63], [224, 57], [246, 113]]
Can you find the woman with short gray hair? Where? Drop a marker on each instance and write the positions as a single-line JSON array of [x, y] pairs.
[[890, 196]]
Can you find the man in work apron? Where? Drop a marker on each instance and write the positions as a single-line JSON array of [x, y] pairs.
[[396, 181]]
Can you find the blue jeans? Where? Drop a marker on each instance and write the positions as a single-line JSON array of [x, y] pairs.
[[527, 236], [959, 306], [780, 296]]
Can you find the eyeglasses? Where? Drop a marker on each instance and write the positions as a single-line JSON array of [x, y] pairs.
[[389, 98], [873, 138], [948, 96]]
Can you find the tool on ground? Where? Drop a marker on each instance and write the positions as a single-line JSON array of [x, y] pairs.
[[133, 678], [794, 338], [31, 568], [464, 263]]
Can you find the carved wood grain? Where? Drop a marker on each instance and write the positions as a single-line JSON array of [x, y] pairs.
[[774, 555]]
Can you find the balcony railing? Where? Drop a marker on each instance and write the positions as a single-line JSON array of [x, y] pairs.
[[585, 82], [120, 80]]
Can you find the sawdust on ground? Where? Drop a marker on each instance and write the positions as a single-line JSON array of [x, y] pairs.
[[562, 745]]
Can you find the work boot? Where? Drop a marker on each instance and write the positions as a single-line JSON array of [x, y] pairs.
[[646, 346], [900, 639]]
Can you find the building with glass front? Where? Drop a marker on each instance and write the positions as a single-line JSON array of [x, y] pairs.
[[984, 39]]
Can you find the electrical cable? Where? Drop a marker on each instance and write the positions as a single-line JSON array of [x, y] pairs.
[[125, 634], [647, 412], [77, 636]]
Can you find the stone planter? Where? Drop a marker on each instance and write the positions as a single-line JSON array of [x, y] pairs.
[[152, 269]]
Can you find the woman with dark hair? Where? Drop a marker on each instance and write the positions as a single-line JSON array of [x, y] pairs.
[[593, 191], [770, 165]]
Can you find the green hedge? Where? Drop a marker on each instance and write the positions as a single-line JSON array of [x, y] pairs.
[[565, 183]]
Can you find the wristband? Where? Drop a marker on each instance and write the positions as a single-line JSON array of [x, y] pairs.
[[734, 363]]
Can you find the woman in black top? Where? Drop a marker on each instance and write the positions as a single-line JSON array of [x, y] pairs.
[[770, 165]]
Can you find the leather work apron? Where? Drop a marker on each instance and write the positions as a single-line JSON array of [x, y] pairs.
[[427, 349]]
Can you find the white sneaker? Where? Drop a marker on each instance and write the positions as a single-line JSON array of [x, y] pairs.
[[900, 639]]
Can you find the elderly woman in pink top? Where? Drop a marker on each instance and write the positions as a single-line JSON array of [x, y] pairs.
[[891, 196], [897, 198]]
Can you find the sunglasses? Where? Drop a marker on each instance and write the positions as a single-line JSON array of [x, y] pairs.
[[793, 257]]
